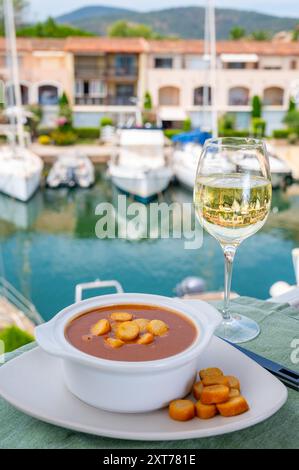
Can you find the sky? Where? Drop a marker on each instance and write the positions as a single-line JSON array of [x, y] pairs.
[[41, 9]]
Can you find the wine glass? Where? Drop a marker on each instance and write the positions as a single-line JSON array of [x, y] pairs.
[[232, 198]]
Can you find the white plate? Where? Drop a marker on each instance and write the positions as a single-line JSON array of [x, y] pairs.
[[33, 383]]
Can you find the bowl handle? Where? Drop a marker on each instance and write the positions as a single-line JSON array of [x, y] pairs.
[[44, 335], [212, 315]]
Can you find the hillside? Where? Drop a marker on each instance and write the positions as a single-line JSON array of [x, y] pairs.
[[91, 11], [186, 22]]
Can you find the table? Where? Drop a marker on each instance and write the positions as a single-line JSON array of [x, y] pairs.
[[279, 328]]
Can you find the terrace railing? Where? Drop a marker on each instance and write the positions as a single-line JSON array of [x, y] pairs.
[[17, 299], [87, 100]]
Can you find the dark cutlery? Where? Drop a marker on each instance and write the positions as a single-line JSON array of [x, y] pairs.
[[288, 376]]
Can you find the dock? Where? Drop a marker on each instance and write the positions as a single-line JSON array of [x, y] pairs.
[[99, 154]]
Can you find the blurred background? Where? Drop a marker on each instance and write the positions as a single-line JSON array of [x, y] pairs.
[[105, 99]]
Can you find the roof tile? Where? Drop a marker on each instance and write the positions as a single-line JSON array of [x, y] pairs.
[[93, 45]]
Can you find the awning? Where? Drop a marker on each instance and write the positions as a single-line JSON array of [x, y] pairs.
[[239, 58], [172, 113]]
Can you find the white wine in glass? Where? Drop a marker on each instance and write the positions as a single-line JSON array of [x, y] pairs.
[[232, 197]]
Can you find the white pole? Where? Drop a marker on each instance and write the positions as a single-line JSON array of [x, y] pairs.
[[295, 256], [207, 83], [213, 67], [10, 31]]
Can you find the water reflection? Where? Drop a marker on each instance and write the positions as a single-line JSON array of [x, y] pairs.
[[72, 212], [16, 215], [49, 245]]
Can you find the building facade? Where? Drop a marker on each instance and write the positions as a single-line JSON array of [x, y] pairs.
[[104, 76]]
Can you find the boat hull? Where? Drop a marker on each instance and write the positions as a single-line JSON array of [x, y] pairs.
[[20, 175], [20, 188], [185, 176], [281, 179], [145, 187]]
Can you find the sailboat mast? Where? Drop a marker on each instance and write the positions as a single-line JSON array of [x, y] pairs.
[[10, 33], [206, 87], [210, 54], [213, 67]]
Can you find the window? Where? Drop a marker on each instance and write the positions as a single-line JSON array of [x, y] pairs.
[[92, 88], [24, 94], [236, 65], [48, 95], [124, 93], [125, 90], [238, 96], [202, 96], [87, 67], [125, 65], [273, 96], [196, 63], [293, 64], [97, 88], [163, 63], [79, 88], [169, 96], [86, 87]]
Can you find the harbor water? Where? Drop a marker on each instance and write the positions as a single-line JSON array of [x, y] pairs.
[[49, 245]]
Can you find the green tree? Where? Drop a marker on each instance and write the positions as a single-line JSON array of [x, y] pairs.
[[295, 35], [292, 105], [187, 125], [63, 100], [123, 29], [227, 122], [106, 121], [148, 104], [256, 111], [34, 119], [260, 35], [51, 29], [237, 32], [292, 120], [65, 118], [258, 127]]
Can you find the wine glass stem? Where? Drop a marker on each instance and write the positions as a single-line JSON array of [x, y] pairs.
[[229, 254]]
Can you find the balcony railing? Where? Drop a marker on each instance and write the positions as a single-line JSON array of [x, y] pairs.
[[90, 73], [110, 72], [107, 101], [122, 72]]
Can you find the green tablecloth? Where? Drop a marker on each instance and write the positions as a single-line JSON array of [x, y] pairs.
[[279, 324]]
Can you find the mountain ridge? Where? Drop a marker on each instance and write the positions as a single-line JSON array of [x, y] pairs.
[[185, 22]]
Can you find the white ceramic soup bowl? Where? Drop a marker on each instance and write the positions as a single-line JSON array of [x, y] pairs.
[[129, 387]]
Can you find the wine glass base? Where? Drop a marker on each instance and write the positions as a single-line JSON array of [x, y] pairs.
[[238, 329]]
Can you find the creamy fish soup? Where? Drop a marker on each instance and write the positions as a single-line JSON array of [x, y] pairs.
[[132, 333]]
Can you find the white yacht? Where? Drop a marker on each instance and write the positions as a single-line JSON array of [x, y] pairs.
[[281, 173], [140, 168], [20, 169], [185, 161], [20, 172]]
